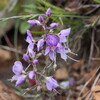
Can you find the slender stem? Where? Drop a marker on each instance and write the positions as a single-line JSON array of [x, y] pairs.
[[41, 74], [72, 59], [27, 67]]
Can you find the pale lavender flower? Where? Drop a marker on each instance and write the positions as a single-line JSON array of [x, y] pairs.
[[17, 68], [33, 22], [41, 18], [52, 40], [51, 83], [25, 57], [64, 84], [29, 38], [21, 79], [63, 34], [31, 74], [48, 12], [53, 25], [35, 61], [40, 44]]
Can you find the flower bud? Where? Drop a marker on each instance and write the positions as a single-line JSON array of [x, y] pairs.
[[25, 57], [53, 25], [48, 12], [29, 38], [31, 74], [41, 18], [32, 82], [35, 61], [33, 22]]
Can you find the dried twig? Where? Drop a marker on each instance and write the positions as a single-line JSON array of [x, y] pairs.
[[88, 82], [10, 49], [92, 47], [95, 58]]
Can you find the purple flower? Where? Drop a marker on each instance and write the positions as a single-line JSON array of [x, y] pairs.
[[51, 83], [40, 44], [48, 12], [35, 61], [31, 74], [17, 68], [29, 38], [52, 40], [63, 34], [30, 49], [20, 80], [55, 46], [41, 18], [33, 22], [25, 57], [53, 25]]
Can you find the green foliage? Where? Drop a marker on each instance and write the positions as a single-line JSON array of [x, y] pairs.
[[24, 26], [42, 5], [97, 1], [3, 3], [34, 7]]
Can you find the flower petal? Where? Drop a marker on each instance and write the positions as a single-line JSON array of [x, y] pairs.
[[65, 32], [29, 37], [49, 86], [47, 50], [62, 39], [15, 77], [30, 49], [17, 68], [62, 51], [40, 44], [52, 40], [51, 83], [63, 54], [31, 74], [51, 55], [20, 80]]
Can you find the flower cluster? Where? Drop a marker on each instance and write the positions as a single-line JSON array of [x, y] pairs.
[[50, 44]]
